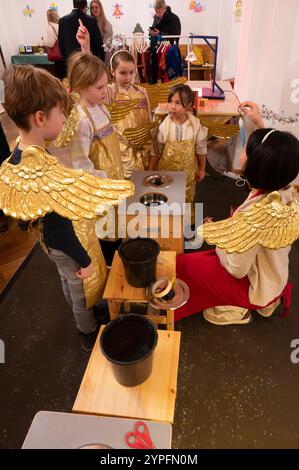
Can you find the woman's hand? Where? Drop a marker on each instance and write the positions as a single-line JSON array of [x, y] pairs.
[[83, 37], [252, 110], [84, 273]]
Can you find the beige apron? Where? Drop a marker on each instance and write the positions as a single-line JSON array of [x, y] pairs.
[[181, 156], [104, 150], [133, 159]]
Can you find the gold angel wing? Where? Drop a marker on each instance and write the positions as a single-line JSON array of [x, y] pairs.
[[119, 111], [158, 93], [70, 126], [40, 185], [139, 136], [269, 223], [219, 129]]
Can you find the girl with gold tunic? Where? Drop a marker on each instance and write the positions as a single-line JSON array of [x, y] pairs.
[[88, 139], [181, 140], [123, 69]]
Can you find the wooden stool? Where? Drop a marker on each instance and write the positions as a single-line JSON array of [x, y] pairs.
[[118, 291], [101, 394]]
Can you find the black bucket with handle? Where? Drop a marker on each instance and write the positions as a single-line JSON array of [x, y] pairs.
[[139, 257], [128, 343]]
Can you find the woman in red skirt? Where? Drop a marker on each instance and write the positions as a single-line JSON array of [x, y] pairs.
[[249, 270]]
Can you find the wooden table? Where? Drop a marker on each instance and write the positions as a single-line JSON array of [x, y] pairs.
[[101, 394], [118, 291], [219, 110]]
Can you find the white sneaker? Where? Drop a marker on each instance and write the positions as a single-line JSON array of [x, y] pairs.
[[227, 315], [268, 311]]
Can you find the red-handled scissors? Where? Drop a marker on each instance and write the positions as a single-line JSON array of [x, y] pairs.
[[139, 438]]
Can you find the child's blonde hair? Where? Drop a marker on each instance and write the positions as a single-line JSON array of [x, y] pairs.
[[84, 70], [52, 16], [28, 90]]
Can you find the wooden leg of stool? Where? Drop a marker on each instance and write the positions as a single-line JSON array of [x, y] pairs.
[[127, 307], [170, 319], [114, 308]]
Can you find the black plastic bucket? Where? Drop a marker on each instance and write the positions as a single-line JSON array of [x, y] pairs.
[[139, 257], [128, 342]]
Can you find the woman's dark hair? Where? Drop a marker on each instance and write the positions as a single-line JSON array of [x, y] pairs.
[[273, 164], [80, 4], [185, 93]]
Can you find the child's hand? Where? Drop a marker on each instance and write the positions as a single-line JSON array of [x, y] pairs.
[[200, 175], [252, 110], [207, 220], [84, 273], [83, 37]]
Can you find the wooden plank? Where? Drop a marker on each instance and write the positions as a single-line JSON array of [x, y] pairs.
[[117, 287], [101, 394], [15, 246]]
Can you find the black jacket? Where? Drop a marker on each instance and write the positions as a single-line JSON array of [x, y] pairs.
[[168, 24], [68, 27]]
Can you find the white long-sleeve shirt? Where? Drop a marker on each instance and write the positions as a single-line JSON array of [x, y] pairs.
[[76, 153], [267, 270], [52, 35], [190, 129]]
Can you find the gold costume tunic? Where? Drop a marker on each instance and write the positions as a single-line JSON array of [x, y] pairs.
[[132, 158], [105, 151], [180, 156]]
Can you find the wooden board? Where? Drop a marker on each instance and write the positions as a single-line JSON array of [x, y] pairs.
[[117, 287], [101, 394]]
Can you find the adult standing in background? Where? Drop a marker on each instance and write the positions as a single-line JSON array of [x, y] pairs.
[[165, 22], [68, 27], [105, 27], [52, 37]]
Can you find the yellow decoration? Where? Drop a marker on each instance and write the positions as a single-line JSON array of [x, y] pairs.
[[158, 93], [40, 185], [270, 223], [70, 126], [199, 55]]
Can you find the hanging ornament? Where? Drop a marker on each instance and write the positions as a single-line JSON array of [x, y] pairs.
[[238, 12], [197, 7], [53, 7], [28, 11], [270, 115], [117, 13]]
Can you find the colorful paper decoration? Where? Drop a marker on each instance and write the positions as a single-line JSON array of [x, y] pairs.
[[53, 7], [238, 12], [28, 11], [281, 118], [197, 7], [117, 13]]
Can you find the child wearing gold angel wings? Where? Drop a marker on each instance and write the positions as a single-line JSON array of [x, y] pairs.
[[249, 268], [33, 185]]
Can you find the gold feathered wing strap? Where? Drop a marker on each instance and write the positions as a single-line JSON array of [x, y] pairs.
[[270, 223], [40, 185], [70, 126], [119, 110]]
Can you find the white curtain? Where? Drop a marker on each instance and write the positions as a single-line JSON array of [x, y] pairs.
[[268, 58]]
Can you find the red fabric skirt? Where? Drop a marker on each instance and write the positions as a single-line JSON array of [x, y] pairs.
[[211, 285]]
